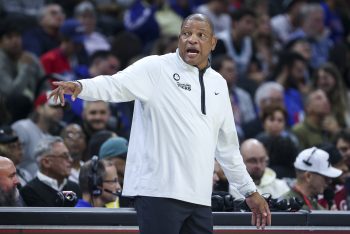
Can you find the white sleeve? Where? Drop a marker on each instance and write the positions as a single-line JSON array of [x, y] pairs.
[[229, 156], [135, 82]]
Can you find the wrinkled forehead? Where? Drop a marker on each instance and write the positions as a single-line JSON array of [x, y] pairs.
[[207, 24]]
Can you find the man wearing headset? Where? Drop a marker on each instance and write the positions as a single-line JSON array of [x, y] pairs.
[[98, 182]]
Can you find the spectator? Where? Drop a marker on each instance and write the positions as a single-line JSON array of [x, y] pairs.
[[312, 132], [342, 142], [55, 164], [96, 140], [46, 35], [115, 149], [286, 23], [328, 79], [290, 73], [86, 14], [20, 71], [314, 174], [64, 58], [98, 181], [276, 136], [9, 195], [74, 138], [337, 187], [269, 93], [242, 105], [95, 117], [45, 120], [313, 28], [216, 10], [238, 43], [256, 159], [11, 148]]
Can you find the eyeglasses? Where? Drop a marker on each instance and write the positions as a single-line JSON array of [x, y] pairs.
[[65, 156], [257, 161], [115, 180]]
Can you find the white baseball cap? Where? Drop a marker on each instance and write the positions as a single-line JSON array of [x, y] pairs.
[[316, 160]]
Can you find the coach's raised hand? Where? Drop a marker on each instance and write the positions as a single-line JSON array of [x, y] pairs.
[[70, 87]]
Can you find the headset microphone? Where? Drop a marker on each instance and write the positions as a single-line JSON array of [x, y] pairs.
[[118, 193]]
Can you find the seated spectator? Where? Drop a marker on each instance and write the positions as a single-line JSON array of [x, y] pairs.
[[237, 42], [55, 164], [329, 79], [20, 70], [291, 73], [9, 195], [95, 142], [217, 11], [242, 105], [335, 196], [86, 14], [96, 115], [287, 22], [256, 159], [45, 36], [312, 27], [98, 181], [342, 142], [275, 137], [269, 93], [45, 120], [74, 138], [312, 132], [11, 148], [115, 149], [69, 54], [314, 174]]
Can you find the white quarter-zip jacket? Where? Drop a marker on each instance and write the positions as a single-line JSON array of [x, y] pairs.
[[182, 120]]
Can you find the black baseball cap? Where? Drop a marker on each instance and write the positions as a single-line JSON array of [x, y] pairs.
[[6, 138]]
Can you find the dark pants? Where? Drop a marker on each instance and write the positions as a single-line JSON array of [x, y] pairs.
[[169, 216]]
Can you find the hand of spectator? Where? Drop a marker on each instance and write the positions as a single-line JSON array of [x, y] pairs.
[[261, 215], [70, 87], [26, 58]]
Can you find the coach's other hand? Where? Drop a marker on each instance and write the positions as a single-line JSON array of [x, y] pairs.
[[261, 215], [70, 87]]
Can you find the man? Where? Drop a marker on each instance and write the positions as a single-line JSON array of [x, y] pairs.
[[95, 117], [20, 71], [238, 42], [74, 138], [45, 120], [311, 131], [313, 173], [268, 94], [342, 142], [256, 159], [46, 36], [9, 195], [182, 121], [11, 148], [64, 58], [242, 105], [55, 164], [115, 150], [98, 181]]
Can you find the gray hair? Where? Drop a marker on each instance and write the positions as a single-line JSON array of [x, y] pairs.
[[45, 145], [307, 9], [43, 11], [264, 91]]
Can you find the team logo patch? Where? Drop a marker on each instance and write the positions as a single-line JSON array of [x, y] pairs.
[[176, 77]]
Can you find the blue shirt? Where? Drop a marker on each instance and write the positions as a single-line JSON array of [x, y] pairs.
[[82, 203]]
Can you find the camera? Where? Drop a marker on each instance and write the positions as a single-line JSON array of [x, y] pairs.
[[66, 199]]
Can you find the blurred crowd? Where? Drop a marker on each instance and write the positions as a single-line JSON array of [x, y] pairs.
[[286, 64]]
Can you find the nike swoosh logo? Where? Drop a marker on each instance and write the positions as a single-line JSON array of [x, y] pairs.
[[216, 93]]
